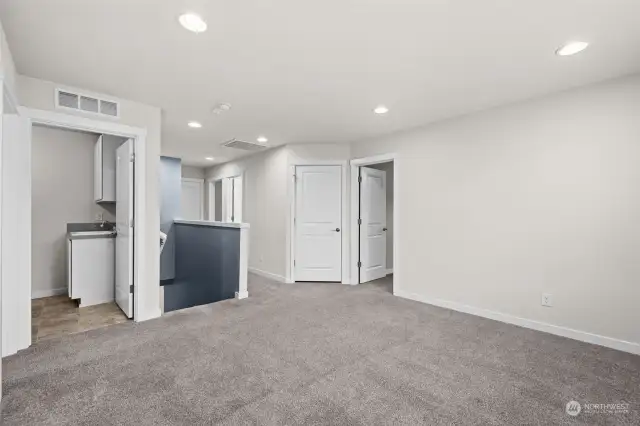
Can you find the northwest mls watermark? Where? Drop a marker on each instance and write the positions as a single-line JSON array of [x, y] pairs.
[[574, 408]]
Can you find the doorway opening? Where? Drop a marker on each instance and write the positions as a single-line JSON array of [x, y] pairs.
[[374, 222], [375, 262], [82, 201], [225, 199]]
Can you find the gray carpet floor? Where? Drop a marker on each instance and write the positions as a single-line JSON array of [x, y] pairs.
[[316, 354]]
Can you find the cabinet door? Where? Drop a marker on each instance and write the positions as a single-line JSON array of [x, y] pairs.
[[97, 170], [109, 146], [69, 268]]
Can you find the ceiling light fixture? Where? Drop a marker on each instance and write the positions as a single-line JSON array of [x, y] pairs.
[[194, 124], [572, 48], [381, 109], [193, 22], [262, 139], [209, 158]]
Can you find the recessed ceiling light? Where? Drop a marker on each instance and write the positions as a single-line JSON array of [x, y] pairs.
[[209, 158], [262, 139], [193, 22], [381, 109], [572, 48], [194, 124]]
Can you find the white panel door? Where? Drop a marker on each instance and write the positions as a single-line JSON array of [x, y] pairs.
[[318, 223], [373, 227], [124, 227], [191, 202]]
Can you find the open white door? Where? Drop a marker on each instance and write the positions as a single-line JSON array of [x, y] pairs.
[[124, 227], [318, 222], [373, 224]]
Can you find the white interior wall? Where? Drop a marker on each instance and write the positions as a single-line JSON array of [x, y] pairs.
[[62, 173], [264, 205], [501, 206], [39, 94], [265, 198], [192, 172], [7, 66], [388, 168]]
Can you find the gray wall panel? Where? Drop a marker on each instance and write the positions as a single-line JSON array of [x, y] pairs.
[[207, 266]]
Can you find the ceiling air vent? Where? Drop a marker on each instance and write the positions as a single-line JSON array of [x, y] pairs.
[[245, 146], [90, 104]]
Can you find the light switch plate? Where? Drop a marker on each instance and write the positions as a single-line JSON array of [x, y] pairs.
[[546, 300]]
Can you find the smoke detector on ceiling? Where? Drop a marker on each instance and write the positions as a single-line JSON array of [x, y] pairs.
[[245, 146], [220, 108]]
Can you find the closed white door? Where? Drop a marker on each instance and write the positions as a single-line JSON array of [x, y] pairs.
[[191, 202], [318, 223], [373, 226], [124, 227]]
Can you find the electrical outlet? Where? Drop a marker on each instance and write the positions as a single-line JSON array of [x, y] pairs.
[[546, 300]]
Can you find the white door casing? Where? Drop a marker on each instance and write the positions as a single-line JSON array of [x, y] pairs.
[[124, 227], [318, 223], [191, 199], [236, 217], [232, 199], [373, 227]]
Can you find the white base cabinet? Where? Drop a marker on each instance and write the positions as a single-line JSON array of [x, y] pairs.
[[91, 270]]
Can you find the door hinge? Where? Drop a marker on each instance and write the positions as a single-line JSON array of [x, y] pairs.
[[359, 179], [294, 262], [131, 289], [359, 221], [359, 264], [133, 158]]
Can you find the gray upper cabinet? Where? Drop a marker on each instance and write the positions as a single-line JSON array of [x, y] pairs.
[[104, 181]]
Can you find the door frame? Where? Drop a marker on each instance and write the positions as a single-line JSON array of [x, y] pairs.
[[291, 214], [211, 195], [142, 286], [355, 210], [199, 181]]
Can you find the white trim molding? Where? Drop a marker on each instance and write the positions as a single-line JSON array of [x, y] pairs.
[[270, 275], [583, 336]]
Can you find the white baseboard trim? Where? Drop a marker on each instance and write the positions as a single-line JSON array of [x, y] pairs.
[[39, 294], [621, 345], [389, 271], [242, 295], [266, 274]]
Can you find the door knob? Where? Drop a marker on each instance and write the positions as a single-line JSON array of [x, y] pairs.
[[337, 229]]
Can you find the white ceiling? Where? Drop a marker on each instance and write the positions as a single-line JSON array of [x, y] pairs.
[[299, 71]]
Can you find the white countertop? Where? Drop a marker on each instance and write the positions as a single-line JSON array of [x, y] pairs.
[[212, 223]]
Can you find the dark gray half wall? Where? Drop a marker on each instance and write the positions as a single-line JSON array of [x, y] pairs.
[[207, 266], [170, 188]]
